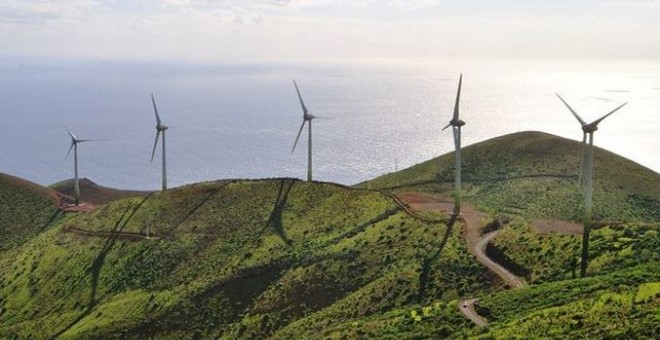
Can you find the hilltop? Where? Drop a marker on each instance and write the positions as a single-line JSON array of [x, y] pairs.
[[283, 258], [535, 174], [93, 193]]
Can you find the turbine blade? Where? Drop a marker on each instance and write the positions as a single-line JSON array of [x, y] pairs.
[[302, 104], [572, 111], [153, 153], [298, 137], [445, 128], [155, 110], [458, 97], [607, 115], [69, 152]]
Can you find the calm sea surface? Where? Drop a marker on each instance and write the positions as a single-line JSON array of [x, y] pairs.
[[240, 120]]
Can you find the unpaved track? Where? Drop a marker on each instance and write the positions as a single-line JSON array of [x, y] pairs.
[[510, 279], [120, 235], [473, 221], [467, 308]]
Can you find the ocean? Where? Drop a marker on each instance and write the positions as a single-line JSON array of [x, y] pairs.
[[239, 120]]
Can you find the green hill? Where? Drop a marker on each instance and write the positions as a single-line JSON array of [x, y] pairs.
[[234, 259], [534, 174], [25, 209], [287, 259], [93, 193]]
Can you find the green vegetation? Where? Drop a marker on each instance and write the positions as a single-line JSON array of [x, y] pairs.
[[534, 175], [238, 259], [25, 210], [553, 256], [622, 304], [287, 259], [93, 193]]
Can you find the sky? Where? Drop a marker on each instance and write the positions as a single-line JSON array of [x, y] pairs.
[[271, 30]]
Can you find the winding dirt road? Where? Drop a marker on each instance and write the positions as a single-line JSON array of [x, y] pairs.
[[473, 221]]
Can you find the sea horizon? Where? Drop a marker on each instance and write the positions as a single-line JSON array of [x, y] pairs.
[[240, 119]]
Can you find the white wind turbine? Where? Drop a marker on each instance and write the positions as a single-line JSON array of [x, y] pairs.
[[74, 146], [587, 163], [160, 128], [307, 118], [456, 125]]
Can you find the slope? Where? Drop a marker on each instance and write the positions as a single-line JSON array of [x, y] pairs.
[[238, 259], [93, 193], [534, 174], [25, 209]]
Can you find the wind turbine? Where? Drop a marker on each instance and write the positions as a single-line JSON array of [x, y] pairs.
[[160, 128], [587, 164], [74, 146], [306, 118], [456, 125]]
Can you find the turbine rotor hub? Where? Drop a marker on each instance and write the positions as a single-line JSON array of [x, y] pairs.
[[589, 128]]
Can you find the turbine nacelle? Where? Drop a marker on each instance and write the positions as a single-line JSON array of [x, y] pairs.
[[589, 128], [593, 126], [454, 123]]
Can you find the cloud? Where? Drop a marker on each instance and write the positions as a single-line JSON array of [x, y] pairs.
[[40, 11], [413, 5], [226, 30], [643, 4]]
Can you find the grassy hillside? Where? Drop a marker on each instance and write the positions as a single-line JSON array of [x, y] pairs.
[[25, 209], [239, 259], [623, 304], [552, 256], [286, 259], [93, 193], [534, 174]]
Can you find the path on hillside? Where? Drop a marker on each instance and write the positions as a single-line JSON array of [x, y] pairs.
[[120, 235], [473, 223], [467, 308]]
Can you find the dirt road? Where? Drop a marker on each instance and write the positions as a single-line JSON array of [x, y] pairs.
[[473, 221], [467, 308]]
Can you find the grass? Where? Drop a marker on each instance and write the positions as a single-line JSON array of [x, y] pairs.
[[603, 306], [551, 256], [27, 209], [93, 193], [286, 259], [233, 259], [533, 174]]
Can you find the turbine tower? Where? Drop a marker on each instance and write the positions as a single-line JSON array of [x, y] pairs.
[[586, 166], [456, 125], [307, 118], [74, 146], [160, 129]]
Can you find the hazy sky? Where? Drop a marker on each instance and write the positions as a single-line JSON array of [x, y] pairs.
[[224, 30]]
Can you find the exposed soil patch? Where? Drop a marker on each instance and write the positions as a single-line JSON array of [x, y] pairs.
[[82, 207], [556, 226], [66, 203], [472, 218], [420, 202]]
